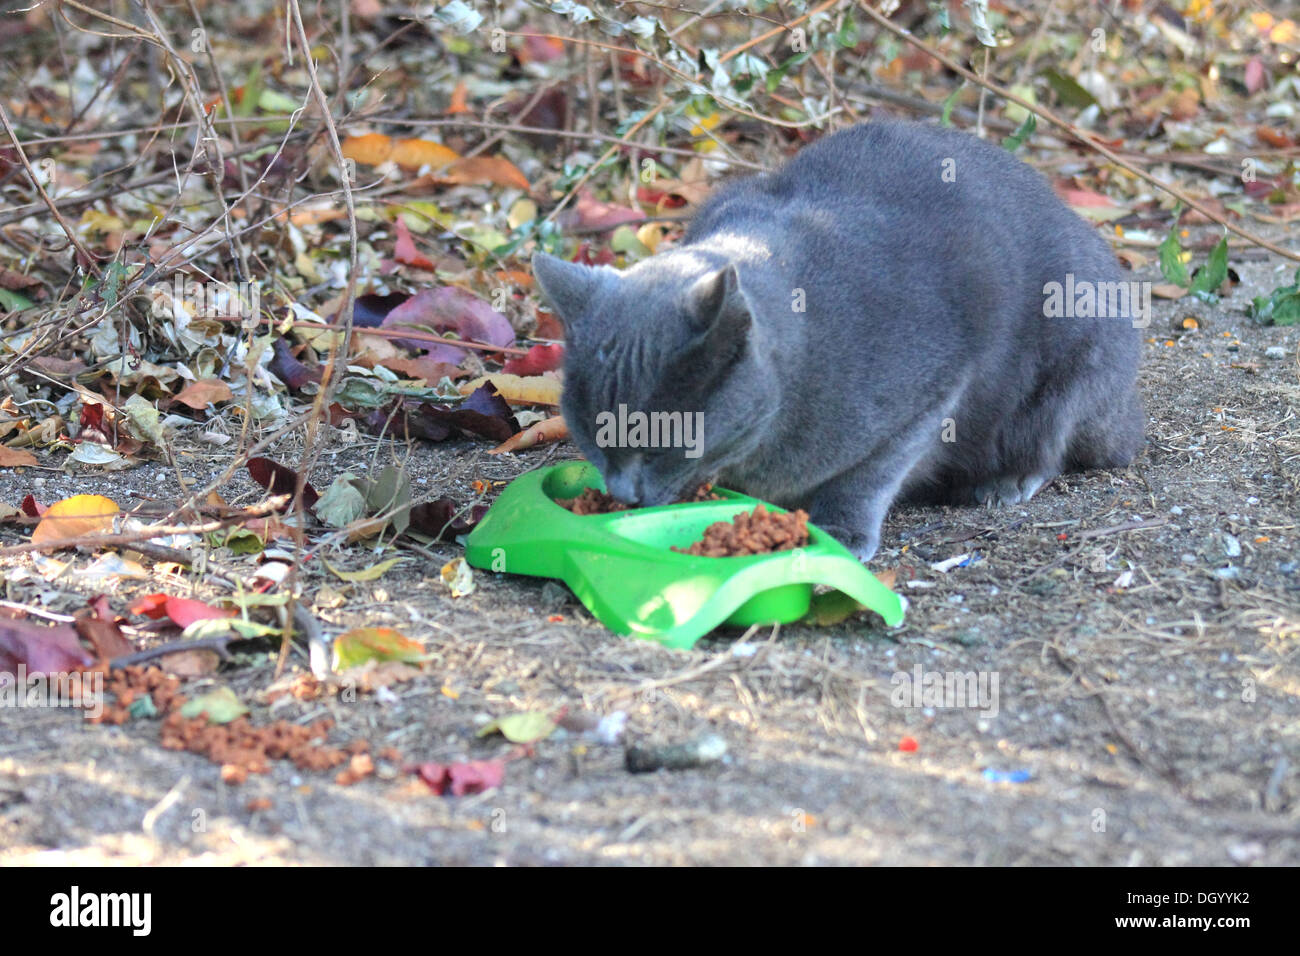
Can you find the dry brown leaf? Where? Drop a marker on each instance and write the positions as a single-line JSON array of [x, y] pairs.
[[16, 457], [484, 170], [207, 391], [552, 429]]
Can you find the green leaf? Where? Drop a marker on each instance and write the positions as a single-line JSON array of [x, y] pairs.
[[13, 302], [1068, 89], [1212, 274], [1026, 130], [524, 728], [1281, 307], [390, 494], [831, 608], [142, 707], [375, 644], [1171, 259], [342, 503], [245, 541], [847, 36], [221, 706], [945, 118], [774, 77]]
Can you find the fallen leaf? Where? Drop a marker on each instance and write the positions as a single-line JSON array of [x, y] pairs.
[[461, 779], [181, 611], [531, 390], [280, 480], [372, 573], [538, 359], [375, 148], [76, 517], [208, 391], [404, 250], [220, 706], [525, 728], [459, 577], [362, 644], [16, 458], [423, 368], [552, 429], [444, 518], [485, 171], [449, 309], [41, 650], [483, 413]]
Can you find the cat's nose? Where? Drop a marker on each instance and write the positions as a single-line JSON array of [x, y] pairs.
[[625, 487]]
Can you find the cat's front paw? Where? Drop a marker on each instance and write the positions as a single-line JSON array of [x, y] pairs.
[[862, 545]]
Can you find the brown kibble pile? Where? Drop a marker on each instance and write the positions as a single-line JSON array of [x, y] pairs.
[[752, 532], [594, 502], [239, 746], [129, 683]]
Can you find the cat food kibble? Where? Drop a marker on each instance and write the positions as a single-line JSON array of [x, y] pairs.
[[594, 502], [752, 532]]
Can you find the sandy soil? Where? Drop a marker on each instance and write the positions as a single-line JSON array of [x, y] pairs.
[[1158, 722]]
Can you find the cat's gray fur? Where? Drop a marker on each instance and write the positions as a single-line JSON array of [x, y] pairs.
[[922, 366]]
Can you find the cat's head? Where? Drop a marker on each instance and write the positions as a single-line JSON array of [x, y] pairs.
[[662, 380]]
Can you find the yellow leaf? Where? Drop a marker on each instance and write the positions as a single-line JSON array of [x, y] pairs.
[[520, 389], [371, 573], [375, 148], [76, 517]]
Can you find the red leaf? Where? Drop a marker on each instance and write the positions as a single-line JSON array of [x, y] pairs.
[[538, 359], [30, 508], [476, 776], [41, 650], [404, 250], [1255, 77], [453, 309], [149, 605], [463, 778], [185, 611], [591, 213], [181, 611], [280, 480]]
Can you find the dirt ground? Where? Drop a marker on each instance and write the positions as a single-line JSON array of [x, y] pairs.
[[1157, 721]]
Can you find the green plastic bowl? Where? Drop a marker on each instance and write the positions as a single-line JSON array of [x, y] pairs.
[[622, 568]]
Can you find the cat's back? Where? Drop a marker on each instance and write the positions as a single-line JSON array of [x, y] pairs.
[[895, 175]]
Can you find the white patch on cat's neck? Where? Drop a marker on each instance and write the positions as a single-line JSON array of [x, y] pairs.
[[698, 258], [738, 247]]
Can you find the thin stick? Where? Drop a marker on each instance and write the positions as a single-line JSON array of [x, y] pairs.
[[86, 257]]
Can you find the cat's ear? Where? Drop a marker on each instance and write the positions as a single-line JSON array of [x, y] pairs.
[[717, 305], [567, 286]]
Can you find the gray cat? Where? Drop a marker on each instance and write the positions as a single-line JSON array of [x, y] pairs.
[[901, 312]]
